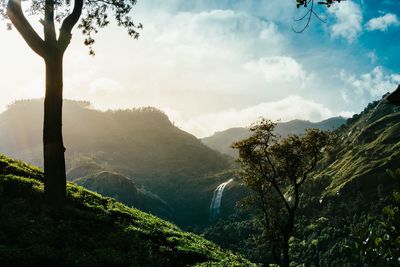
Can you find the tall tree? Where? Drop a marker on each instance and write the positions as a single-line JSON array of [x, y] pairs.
[[275, 170], [93, 14]]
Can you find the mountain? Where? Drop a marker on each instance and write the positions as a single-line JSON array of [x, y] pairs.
[[139, 144], [90, 230], [221, 141]]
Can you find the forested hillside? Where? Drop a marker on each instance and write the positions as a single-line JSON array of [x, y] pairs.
[[138, 144]]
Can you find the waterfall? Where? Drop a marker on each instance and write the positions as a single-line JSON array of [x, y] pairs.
[[217, 196]]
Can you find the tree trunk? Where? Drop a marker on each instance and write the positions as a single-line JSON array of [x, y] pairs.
[[286, 236], [275, 254], [53, 147], [285, 260]]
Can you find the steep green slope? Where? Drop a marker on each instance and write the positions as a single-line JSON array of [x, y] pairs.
[[90, 230], [221, 141], [140, 144], [125, 190], [367, 146]]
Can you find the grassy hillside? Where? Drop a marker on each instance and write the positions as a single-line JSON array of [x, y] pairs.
[[90, 230], [125, 190], [221, 141], [139, 144], [367, 145]]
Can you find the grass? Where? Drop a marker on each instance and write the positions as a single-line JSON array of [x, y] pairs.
[[367, 148], [91, 230]]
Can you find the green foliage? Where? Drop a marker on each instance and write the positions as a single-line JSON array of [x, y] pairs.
[[15, 167], [275, 169], [125, 190], [378, 242], [91, 230]]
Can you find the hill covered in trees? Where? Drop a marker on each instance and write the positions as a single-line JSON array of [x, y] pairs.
[[341, 203], [138, 144], [91, 230], [222, 141]]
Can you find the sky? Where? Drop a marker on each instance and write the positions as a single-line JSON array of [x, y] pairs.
[[212, 65]]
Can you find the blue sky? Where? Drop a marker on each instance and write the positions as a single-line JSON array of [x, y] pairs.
[[211, 65]]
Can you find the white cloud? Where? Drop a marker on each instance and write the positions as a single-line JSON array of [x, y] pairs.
[[186, 61], [289, 108], [278, 69], [348, 21], [382, 23], [222, 33], [104, 86], [370, 85]]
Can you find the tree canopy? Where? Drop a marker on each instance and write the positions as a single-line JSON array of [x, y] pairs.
[[90, 16], [275, 169]]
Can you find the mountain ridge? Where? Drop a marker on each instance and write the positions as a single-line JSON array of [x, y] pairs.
[[222, 140]]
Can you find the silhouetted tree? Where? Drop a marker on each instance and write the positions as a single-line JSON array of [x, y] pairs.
[[309, 5], [275, 170], [93, 14]]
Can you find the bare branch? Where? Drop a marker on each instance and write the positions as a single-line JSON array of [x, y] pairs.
[[18, 19], [312, 166], [68, 24], [274, 183], [308, 14]]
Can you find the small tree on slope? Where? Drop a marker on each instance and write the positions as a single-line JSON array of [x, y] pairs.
[[275, 170]]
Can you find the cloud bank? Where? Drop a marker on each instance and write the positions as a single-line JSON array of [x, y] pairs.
[[289, 108], [382, 23]]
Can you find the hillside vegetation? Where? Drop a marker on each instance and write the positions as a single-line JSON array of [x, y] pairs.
[[125, 190], [367, 146], [346, 196], [141, 145], [141, 142], [90, 230]]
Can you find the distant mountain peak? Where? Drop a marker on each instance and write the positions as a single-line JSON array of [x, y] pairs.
[[221, 141]]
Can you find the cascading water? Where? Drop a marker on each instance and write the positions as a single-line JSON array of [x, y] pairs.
[[216, 200]]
